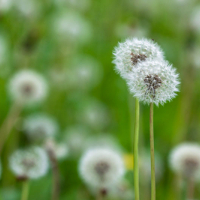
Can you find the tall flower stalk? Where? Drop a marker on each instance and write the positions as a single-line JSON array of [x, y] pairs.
[[25, 190], [9, 123], [136, 141], [55, 169], [153, 178]]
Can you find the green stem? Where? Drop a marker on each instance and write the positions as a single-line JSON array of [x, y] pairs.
[[8, 124], [190, 191], [25, 190], [153, 179], [136, 139], [56, 176]]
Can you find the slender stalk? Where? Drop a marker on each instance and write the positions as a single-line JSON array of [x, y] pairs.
[[25, 190], [55, 171], [136, 139], [8, 124], [101, 195], [190, 191], [153, 179]]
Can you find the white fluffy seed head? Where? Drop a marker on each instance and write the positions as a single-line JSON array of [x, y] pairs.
[[28, 87], [101, 167], [30, 163], [185, 160], [153, 81], [39, 127], [133, 51]]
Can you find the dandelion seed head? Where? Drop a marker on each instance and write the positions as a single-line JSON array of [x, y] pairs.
[[133, 51], [153, 81], [28, 87], [101, 167], [29, 163], [185, 160], [39, 127]]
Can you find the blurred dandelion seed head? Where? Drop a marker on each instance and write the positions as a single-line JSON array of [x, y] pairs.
[[134, 51], [153, 81], [28, 87], [30, 163], [185, 160], [101, 167], [39, 127]]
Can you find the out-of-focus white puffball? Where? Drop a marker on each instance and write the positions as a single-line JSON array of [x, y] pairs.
[[70, 26], [40, 127], [84, 73], [93, 114], [184, 160], [29, 163], [27, 87], [76, 137], [145, 166], [101, 167]]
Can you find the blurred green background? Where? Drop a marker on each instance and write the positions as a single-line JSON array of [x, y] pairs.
[[57, 37]]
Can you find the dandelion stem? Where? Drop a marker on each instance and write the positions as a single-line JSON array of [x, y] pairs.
[[25, 190], [190, 188], [153, 179], [55, 171], [102, 194], [8, 124], [136, 139]]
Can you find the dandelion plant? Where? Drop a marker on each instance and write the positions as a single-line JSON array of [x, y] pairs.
[[151, 80]]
